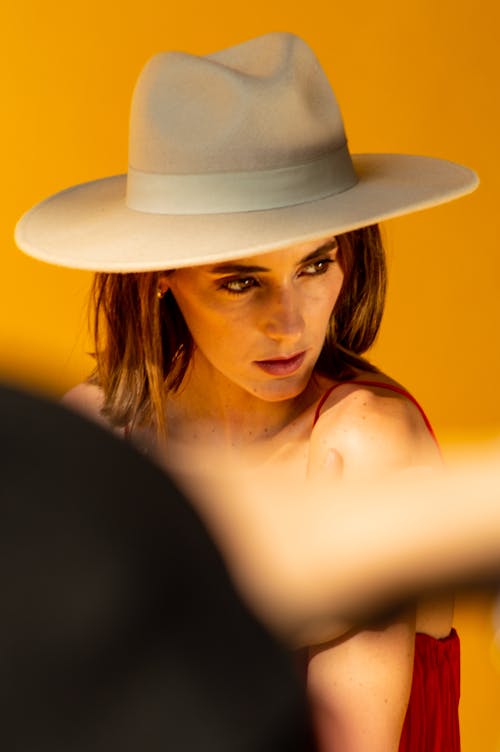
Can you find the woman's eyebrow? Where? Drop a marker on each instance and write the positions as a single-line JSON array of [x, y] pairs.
[[330, 245], [235, 268]]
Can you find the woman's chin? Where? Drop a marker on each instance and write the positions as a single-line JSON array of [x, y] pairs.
[[280, 390]]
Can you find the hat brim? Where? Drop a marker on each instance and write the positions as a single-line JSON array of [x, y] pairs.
[[89, 226]]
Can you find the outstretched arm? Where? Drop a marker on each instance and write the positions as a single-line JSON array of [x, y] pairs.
[[312, 570]]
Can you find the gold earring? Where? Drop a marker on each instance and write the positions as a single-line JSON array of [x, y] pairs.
[[160, 293]]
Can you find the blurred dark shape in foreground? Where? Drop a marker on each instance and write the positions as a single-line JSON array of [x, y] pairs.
[[120, 628]]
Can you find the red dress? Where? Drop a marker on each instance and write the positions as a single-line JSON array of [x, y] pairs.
[[431, 722]]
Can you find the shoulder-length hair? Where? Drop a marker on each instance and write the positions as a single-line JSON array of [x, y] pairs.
[[143, 346]]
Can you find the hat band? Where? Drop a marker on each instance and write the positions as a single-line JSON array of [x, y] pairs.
[[255, 190]]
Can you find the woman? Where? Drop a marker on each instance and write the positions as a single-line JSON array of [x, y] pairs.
[[241, 278]]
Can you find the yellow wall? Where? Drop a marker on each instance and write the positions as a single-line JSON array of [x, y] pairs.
[[417, 77]]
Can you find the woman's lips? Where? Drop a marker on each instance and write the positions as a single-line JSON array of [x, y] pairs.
[[282, 366]]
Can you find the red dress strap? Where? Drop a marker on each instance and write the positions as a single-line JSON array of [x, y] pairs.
[[381, 385]]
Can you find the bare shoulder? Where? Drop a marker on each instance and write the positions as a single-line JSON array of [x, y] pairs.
[[86, 399], [374, 428]]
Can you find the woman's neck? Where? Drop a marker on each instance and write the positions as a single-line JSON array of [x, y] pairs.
[[215, 409]]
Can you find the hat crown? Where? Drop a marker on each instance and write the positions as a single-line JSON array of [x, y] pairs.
[[263, 104]]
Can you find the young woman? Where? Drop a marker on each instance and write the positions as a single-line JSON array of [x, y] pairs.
[[240, 279]]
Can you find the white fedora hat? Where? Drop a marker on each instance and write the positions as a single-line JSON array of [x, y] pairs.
[[231, 154]]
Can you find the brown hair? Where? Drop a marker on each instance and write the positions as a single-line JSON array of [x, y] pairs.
[[143, 345], [358, 311]]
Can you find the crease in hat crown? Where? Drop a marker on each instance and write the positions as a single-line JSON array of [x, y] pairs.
[[252, 127]]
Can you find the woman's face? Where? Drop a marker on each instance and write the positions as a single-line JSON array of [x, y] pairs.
[[260, 322]]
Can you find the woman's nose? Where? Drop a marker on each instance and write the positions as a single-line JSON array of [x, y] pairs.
[[283, 319]]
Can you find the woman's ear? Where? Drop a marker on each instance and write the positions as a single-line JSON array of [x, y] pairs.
[[163, 283]]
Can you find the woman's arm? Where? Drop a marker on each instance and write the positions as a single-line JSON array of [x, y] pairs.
[[359, 684]]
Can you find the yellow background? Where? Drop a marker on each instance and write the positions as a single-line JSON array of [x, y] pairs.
[[417, 77]]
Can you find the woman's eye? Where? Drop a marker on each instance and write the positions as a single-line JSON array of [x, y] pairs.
[[317, 267], [240, 285]]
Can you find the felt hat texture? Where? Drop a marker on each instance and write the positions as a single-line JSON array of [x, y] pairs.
[[231, 154]]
